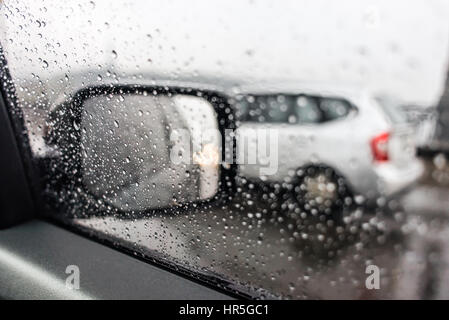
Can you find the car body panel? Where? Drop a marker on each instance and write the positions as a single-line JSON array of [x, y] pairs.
[[342, 144]]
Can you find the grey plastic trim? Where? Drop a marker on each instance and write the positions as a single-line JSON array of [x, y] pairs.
[[34, 257]]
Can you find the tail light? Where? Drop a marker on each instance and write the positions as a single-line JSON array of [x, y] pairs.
[[379, 147]]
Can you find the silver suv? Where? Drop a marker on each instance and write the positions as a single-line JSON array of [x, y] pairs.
[[332, 142]]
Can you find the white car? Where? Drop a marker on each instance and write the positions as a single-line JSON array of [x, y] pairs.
[[332, 142]]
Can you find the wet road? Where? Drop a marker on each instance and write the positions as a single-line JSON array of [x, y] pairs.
[[262, 242]]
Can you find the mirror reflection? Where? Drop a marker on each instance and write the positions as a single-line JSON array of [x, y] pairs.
[[145, 151]]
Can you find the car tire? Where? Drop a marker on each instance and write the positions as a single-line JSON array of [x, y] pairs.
[[319, 190]]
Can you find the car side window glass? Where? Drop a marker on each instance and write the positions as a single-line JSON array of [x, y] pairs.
[[265, 108], [334, 108], [277, 110], [307, 110], [197, 136]]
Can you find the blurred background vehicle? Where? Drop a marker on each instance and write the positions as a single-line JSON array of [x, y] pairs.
[[423, 120], [334, 143]]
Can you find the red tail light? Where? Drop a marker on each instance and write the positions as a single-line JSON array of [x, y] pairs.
[[379, 147]]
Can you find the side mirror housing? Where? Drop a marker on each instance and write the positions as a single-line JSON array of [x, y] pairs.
[[138, 148]]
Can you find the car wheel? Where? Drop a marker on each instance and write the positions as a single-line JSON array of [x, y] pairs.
[[320, 190]]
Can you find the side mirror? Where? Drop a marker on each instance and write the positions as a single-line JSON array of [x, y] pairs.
[[139, 148]]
